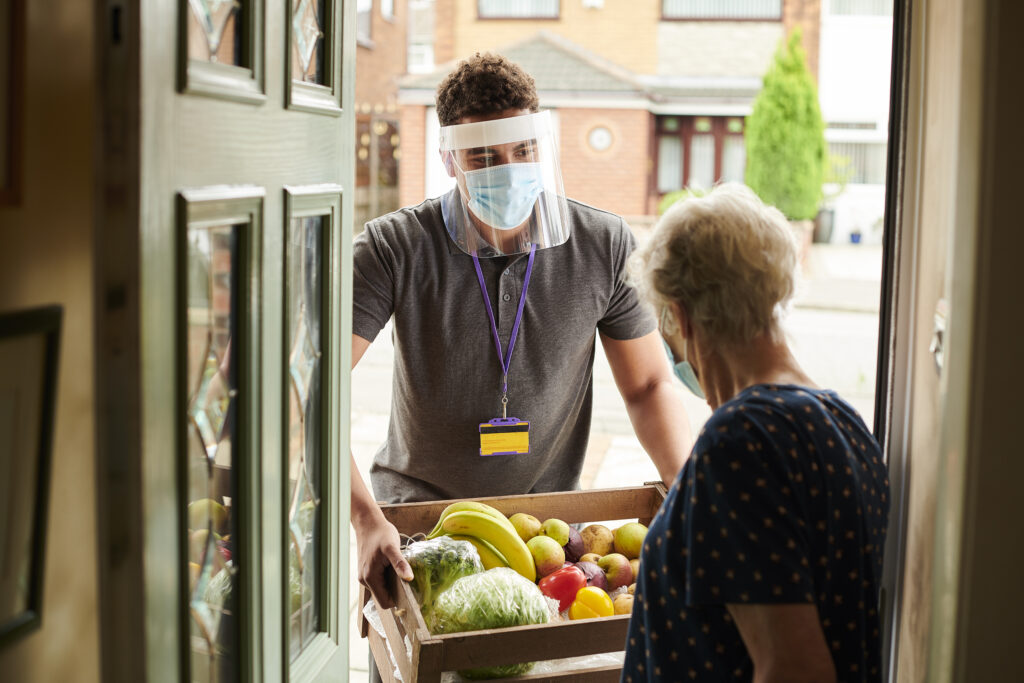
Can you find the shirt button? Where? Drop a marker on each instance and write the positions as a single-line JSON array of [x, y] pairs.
[[507, 297]]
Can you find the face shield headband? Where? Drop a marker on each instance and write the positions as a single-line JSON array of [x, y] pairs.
[[509, 195]]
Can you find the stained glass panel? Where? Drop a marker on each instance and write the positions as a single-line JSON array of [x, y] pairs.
[[305, 442], [308, 41], [212, 322], [215, 31]]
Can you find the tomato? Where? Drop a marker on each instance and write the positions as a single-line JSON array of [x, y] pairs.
[[563, 584], [591, 602]]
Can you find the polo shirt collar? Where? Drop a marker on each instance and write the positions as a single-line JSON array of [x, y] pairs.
[[448, 215]]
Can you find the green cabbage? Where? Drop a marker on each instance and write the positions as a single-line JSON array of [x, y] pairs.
[[496, 598], [436, 564]]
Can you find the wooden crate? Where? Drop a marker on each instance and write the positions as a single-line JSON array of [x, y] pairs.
[[433, 654]]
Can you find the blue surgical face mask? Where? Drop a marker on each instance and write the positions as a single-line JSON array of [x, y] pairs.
[[684, 371], [504, 196]]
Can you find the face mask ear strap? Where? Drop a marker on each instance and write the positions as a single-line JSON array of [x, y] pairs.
[[449, 162]]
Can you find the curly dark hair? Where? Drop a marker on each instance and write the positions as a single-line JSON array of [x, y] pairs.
[[484, 84]]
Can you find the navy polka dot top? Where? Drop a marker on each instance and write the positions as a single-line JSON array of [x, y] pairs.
[[783, 500]]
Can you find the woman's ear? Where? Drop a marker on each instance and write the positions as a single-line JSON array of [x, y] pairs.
[[685, 325]]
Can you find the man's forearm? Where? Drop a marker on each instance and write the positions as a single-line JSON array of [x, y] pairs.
[[363, 506], [662, 426]]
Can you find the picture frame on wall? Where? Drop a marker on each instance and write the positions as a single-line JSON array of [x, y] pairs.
[[12, 67], [29, 352]]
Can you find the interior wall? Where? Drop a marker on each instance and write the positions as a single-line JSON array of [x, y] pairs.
[[989, 589], [46, 257], [938, 82], [961, 595]]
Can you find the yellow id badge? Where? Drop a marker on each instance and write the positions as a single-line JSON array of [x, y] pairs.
[[505, 436]]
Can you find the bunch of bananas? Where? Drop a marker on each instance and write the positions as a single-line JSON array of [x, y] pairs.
[[490, 532]]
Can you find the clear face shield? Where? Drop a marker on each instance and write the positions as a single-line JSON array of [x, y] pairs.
[[510, 194]]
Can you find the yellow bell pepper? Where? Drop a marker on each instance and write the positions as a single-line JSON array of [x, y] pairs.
[[591, 602]]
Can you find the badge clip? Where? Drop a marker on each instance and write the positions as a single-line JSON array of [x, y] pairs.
[[505, 436]]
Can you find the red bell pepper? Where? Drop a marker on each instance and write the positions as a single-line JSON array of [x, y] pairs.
[[563, 584]]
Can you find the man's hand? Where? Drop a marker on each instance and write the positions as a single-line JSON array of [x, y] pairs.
[[378, 544], [379, 549]]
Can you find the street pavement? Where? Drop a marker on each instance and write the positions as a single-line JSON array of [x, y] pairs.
[[832, 328]]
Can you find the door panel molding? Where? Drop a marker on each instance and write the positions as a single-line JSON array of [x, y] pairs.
[[321, 200], [317, 98], [241, 207], [245, 83]]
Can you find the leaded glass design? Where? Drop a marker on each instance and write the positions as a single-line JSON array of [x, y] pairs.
[[212, 322], [214, 33], [308, 44], [305, 427]]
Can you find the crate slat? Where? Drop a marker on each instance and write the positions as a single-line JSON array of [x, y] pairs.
[[609, 673], [538, 642], [574, 507]]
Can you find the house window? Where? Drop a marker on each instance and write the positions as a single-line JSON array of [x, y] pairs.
[[364, 19], [420, 52], [387, 9], [721, 9], [699, 151], [877, 8], [517, 9], [860, 163]]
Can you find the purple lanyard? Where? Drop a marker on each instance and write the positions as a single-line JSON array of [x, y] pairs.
[[503, 358]]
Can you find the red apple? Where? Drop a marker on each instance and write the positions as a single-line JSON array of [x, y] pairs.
[[616, 569]]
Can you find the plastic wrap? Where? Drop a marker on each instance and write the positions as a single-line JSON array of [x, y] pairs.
[[436, 564], [497, 598]]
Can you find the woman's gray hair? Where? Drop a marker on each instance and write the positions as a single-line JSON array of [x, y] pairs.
[[727, 258]]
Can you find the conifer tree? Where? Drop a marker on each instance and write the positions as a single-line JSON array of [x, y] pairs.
[[785, 136]]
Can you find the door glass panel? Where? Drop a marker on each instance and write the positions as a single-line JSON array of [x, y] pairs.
[[308, 52], [702, 160], [305, 428], [214, 31], [670, 164], [212, 322], [734, 158]]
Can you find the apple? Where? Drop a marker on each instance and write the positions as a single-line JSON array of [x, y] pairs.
[[597, 539], [563, 585], [629, 539], [574, 546], [547, 554], [199, 511], [556, 529], [589, 557], [594, 573], [635, 566], [623, 604], [527, 526], [632, 588], [616, 570]]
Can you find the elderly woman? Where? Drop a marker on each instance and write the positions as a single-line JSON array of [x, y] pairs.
[[764, 561]]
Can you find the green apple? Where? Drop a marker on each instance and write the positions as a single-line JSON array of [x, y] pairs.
[[547, 554], [556, 529], [527, 526], [629, 539]]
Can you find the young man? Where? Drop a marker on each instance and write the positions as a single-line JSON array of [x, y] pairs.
[[496, 290]]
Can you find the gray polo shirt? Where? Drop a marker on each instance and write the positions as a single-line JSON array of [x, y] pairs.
[[447, 375]]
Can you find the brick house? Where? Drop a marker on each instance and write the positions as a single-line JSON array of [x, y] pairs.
[[649, 96], [381, 27]]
